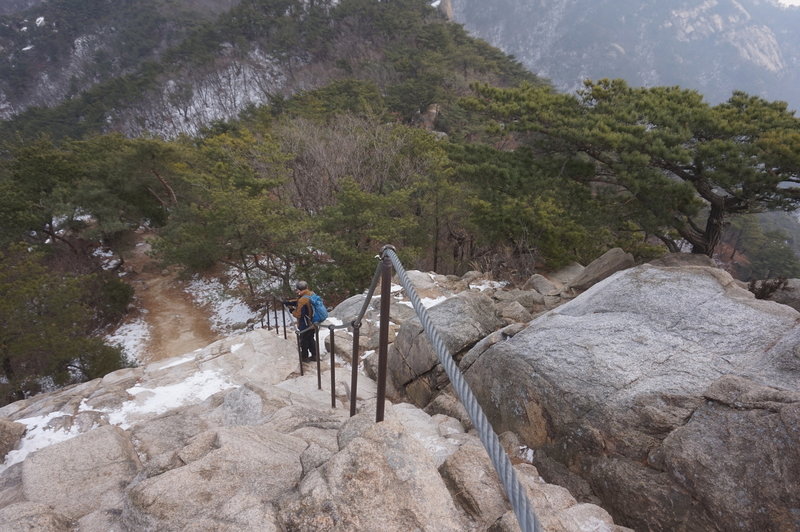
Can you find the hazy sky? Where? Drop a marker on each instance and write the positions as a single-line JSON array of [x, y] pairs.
[[790, 2]]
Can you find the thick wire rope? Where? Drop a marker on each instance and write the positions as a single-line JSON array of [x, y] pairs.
[[515, 492], [368, 298]]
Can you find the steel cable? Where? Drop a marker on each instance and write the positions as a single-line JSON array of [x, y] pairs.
[[515, 492]]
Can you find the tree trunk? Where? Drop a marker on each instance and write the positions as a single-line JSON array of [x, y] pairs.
[[436, 234], [712, 233], [672, 246], [246, 271], [173, 198]]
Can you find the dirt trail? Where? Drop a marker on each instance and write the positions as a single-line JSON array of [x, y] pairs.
[[176, 324]]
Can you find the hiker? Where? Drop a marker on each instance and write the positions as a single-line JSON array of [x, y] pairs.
[[304, 312]]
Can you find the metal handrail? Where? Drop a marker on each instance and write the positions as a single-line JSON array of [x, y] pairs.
[[515, 492], [272, 307], [356, 325]]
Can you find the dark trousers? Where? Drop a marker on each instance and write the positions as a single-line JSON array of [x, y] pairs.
[[308, 344]]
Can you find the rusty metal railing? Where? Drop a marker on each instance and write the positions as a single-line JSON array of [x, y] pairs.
[[515, 492], [356, 326], [271, 307]]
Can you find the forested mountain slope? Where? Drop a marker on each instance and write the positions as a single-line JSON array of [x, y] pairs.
[[53, 50], [169, 68]]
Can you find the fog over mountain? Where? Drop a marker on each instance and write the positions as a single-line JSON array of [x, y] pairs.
[[713, 46]]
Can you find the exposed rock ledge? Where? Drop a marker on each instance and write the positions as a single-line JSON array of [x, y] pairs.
[[230, 438], [667, 392]]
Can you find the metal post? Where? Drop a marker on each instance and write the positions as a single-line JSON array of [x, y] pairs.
[[383, 337], [269, 326], [299, 352], [319, 358], [333, 368], [283, 313], [354, 372], [277, 329]]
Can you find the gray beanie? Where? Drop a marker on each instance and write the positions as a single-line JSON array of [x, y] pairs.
[[301, 285]]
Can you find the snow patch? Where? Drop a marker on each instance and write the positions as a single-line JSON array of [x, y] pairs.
[[109, 260], [132, 337], [179, 361], [154, 401], [427, 302], [39, 435], [218, 95], [147, 402], [489, 285], [228, 312], [526, 453]]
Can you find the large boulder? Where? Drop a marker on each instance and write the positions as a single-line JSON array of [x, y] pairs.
[[382, 480], [159, 442], [513, 312], [568, 273], [470, 475], [462, 321], [349, 309], [10, 434], [789, 294], [631, 385], [224, 488], [33, 516], [426, 285], [543, 285], [82, 474], [607, 264], [400, 310]]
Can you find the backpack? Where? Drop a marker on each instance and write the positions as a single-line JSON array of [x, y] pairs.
[[320, 312]]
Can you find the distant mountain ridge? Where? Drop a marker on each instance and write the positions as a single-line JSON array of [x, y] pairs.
[[169, 68], [713, 46]]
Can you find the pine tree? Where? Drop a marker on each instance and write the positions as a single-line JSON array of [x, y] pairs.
[[665, 150], [45, 328]]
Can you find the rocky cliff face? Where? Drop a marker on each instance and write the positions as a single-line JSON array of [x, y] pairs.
[[714, 46], [165, 68], [171, 67]]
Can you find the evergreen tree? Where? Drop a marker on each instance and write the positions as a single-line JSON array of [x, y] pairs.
[[354, 229], [516, 209], [233, 215], [45, 328], [665, 151]]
